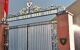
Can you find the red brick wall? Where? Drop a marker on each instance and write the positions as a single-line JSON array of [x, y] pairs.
[[1, 8], [63, 31], [1, 37], [1, 26]]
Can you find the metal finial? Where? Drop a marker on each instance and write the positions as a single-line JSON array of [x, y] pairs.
[[29, 3]]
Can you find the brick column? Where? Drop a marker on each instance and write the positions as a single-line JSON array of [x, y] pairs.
[[3, 6], [1, 37], [1, 9], [63, 31], [1, 26]]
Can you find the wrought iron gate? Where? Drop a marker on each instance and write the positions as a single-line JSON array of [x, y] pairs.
[[41, 36]]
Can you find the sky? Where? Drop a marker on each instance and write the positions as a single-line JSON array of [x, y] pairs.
[[16, 5]]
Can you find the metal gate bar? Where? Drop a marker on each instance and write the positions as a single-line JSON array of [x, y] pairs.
[[33, 24]]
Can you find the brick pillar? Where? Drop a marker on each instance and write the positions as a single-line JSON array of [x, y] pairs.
[[63, 31], [3, 6], [1, 26], [1, 9], [1, 37]]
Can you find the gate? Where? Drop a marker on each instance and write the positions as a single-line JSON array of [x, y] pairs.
[[36, 36]]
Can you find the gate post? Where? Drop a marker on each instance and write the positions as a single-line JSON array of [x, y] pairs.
[[3, 37], [1, 26], [3, 15], [65, 32]]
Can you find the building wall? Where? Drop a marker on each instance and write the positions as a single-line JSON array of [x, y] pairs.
[[77, 40], [77, 20], [75, 9]]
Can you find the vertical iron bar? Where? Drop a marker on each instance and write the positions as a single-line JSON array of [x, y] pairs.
[[29, 10], [27, 36]]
